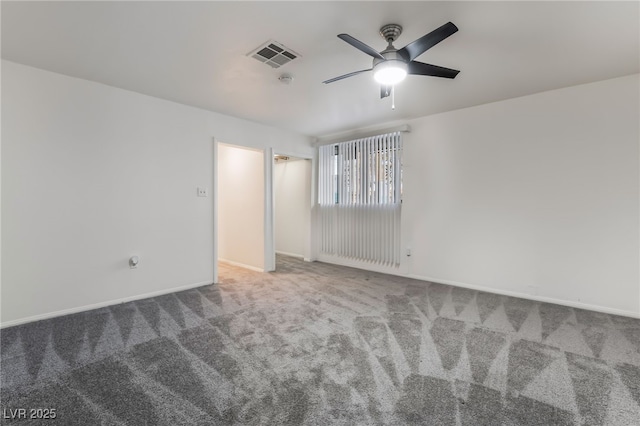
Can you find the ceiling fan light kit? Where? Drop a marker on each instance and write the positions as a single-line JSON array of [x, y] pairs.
[[389, 73], [392, 65], [393, 68]]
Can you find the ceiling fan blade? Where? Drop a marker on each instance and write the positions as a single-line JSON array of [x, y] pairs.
[[420, 68], [385, 91], [426, 42], [360, 46], [351, 74]]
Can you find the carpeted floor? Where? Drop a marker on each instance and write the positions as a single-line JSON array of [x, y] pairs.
[[318, 344]]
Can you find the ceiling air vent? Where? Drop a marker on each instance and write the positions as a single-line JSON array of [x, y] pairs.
[[273, 54]]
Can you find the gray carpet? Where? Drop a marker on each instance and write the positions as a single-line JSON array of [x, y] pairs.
[[318, 344]]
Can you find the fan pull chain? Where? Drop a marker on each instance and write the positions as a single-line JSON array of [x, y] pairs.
[[393, 97]]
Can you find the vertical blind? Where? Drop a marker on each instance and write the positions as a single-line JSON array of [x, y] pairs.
[[360, 199]]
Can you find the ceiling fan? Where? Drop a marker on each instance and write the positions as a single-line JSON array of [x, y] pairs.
[[392, 65]]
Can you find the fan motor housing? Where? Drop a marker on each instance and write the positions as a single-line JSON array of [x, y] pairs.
[[390, 32], [390, 55]]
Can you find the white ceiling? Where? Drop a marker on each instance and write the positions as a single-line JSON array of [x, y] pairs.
[[195, 53]]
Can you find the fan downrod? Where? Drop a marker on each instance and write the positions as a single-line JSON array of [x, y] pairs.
[[390, 32]]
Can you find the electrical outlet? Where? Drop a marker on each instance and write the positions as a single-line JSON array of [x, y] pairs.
[[133, 262], [202, 192]]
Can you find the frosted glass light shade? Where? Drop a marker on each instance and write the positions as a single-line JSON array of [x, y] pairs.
[[390, 72]]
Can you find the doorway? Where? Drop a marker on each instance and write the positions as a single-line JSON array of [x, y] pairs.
[[248, 184], [292, 206], [240, 206]]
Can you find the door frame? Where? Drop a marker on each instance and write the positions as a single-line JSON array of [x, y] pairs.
[[270, 242], [269, 205], [214, 200]]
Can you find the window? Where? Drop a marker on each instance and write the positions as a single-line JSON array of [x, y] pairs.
[[365, 171], [360, 196]]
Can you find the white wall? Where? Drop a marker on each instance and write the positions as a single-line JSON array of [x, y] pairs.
[[537, 191], [538, 194], [241, 205], [92, 174], [292, 187]]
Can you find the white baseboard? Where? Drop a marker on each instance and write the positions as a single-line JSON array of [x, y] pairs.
[[562, 302], [284, 253], [337, 261], [241, 265], [100, 305], [399, 272], [359, 265]]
